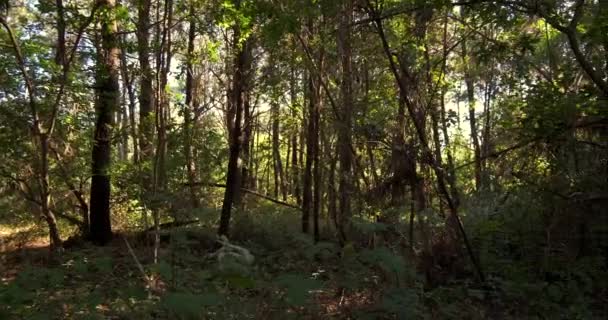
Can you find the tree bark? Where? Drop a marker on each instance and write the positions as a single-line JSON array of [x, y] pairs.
[[107, 103], [345, 125], [146, 98], [233, 178], [189, 111], [162, 110], [295, 170], [468, 78], [128, 85], [307, 196], [279, 187]]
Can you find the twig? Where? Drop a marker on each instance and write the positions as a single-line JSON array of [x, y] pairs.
[[139, 266]]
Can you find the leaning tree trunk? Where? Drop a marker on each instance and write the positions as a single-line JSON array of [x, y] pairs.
[[108, 101]]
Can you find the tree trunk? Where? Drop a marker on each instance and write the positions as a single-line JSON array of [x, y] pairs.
[[468, 79], [295, 171], [107, 103], [345, 125], [60, 53], [128, 85], [247, 154], [146, 98], [316, 208], [189, 111], [162, 111], [45, 194], [308, 183], [233, 179], [276, 152]]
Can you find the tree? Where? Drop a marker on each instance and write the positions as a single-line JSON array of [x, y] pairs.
[[345, 120], [108, 100], [241, 64]]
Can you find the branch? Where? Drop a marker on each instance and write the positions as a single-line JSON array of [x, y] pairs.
[[497, 154], [64, 173], [66, 69], [571, 34], [408, 9], [255, 193], [22, 67]]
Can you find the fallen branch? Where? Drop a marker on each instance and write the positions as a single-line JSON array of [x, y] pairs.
[[173, 224], [255, 193]]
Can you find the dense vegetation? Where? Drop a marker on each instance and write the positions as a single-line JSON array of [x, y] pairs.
[[305, 159]]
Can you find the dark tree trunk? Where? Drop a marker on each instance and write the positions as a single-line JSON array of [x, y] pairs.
[[60, 56], [146, 94], [401, 162], [345, 125], [189, 111], [108, 101], [468, 78], [247, 154], [279, 186], [162, 111], [295, 171], [233, 178], [128, 85], [316, 208], [308, 183]]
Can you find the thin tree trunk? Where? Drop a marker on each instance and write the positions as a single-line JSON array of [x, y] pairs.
[[307, 196], [189, 111], [247, 155], [316, 117], [146, 99], [128, 85], [345, 125], [276, 151], [470, 87], [163, 112], [295, 171], [45, 194], [451, 172]]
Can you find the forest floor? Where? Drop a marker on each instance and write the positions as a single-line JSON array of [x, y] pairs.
[[89, 282], [291, 278]]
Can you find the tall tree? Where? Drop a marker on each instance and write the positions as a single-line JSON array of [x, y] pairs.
[[467, 59], [108, 67], [146, 94], [190, 109], [345, 120], [241, 63]]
